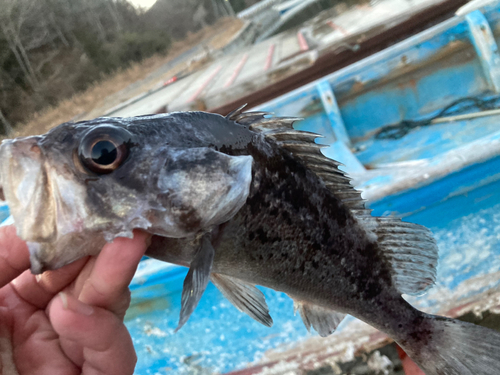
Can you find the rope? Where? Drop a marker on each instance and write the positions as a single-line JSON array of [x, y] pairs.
[[463, 105]]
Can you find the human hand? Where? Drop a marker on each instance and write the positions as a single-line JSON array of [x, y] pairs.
[[67, 321]]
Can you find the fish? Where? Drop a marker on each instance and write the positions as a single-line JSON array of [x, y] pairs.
[[242, 200]]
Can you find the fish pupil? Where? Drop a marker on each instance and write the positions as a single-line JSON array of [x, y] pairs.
[[104, 153]]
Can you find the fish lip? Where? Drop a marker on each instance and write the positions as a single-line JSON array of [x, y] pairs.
[[20, 148], [21, 171], [37, 266], [39, 263]]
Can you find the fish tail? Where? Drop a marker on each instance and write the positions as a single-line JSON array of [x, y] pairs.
[[443, 346]]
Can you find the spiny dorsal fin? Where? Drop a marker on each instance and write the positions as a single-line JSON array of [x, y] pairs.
[[234, 113], [301, 144]]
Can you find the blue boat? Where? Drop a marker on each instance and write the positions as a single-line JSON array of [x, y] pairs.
[[417, 127]]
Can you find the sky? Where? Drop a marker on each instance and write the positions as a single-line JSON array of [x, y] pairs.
[[143, 3]]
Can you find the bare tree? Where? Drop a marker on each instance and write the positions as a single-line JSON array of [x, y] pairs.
[[111, 5], [49, 48], [6, 125], [12, 19], [93, 19]]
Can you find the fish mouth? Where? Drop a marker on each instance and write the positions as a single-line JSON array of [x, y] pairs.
[[46, 205], [24, 185], [68, 248]]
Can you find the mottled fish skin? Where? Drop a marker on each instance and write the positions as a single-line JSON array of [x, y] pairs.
[[294, 225], [293, 235]]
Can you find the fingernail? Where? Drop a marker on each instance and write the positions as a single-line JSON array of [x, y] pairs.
[[38, 277], [75, 305], [64, 300]]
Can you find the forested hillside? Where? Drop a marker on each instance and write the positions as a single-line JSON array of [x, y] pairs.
[[50, 49], [53, 49]]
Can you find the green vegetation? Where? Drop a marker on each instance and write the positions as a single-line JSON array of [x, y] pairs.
[[51, 49]]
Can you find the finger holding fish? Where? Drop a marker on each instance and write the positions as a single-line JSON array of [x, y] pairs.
[[88, 315], [38, 290], [43, 322], [14, 255], [111, 273], [91, 336]]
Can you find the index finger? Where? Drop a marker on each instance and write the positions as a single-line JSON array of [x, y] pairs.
[[14, 255], [113, 271]]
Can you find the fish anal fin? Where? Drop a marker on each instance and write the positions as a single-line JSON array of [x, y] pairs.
[[411, 251], [244, 296], [324, 321], [196, 280]]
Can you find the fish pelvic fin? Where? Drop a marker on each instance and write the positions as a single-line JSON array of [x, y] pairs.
[[196, 280], [410, 249], [245, 297], [324, 321], [443, 346]]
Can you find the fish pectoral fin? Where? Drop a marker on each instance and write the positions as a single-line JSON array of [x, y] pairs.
[[196, 280], [245, 297], [324, 321]]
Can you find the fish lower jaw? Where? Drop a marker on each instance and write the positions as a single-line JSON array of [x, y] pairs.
[[37, 267]]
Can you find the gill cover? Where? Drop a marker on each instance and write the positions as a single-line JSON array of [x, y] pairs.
[[202, 188]]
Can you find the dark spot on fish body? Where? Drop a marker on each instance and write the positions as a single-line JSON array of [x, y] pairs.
[[373, 288], [189, 219], [97, 203], [420, 329], [274, 212], [286, 217], [262, 236], [225, 149]]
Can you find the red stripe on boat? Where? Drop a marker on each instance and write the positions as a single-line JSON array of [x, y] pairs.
[[205, 84], [269, 58], [236, 71], [302, 41], [334, 26]]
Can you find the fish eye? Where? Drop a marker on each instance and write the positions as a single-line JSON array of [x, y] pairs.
[[104, 148]]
